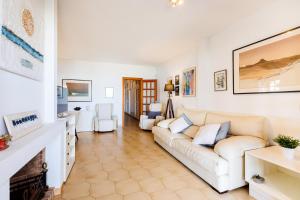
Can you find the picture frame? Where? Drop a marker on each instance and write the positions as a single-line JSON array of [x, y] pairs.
[[22, 41], [78, 90], [220, 80], [189, 82], [177, 90], [177, 82], [271, 65]]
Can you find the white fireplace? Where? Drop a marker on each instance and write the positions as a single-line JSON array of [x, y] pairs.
[[50, 137]]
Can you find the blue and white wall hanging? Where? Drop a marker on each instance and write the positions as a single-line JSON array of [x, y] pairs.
[[22, 37]]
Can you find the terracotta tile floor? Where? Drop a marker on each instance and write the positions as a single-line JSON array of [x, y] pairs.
[[130, 166]]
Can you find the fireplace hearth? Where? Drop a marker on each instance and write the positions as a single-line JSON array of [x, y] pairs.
[[30, 183]]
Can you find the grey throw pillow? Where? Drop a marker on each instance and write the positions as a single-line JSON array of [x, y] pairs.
[[223, 131], [153, 115], [186, 119]]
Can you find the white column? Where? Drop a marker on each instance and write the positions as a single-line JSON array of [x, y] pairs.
[[4, 190], [50, 61], [54, 156]]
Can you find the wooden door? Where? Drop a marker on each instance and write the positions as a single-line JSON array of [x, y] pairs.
[[149, 94]]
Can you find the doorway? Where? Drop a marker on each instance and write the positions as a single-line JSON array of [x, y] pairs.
[[132, 101]]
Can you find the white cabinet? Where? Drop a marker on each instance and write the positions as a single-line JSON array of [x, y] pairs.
[[69, 144], [282, 176]]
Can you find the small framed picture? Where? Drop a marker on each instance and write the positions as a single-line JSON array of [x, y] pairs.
[[177, 80], [109, 92], [177, 90], [220, 78]]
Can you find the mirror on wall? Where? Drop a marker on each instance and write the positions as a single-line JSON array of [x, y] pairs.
[[109, 92]]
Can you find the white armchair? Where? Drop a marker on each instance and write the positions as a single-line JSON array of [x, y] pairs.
[[104, 120], [145, 122]]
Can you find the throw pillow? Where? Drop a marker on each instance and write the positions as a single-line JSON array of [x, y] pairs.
[[153, 115], [191, 131], [207, 134], [223, 131], [165, 123], [180, 124]]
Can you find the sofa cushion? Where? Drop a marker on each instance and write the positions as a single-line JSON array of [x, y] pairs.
[[204, 156], [180, 124], [191, 131], [207, 134], [240, 125], [197, 117], [166, 136], [236, 146], [165, 123], [106, 125]]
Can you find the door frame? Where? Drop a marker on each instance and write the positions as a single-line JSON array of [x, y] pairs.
[[123, 95]]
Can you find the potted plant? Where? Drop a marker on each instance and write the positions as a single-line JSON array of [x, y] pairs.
[[289, 145]]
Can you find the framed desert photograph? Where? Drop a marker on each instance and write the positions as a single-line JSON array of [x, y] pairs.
[[271, 65], [189, 82], [220, 79], [78, 90]]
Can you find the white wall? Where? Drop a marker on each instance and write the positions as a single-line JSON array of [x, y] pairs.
[[278, 18], [18, 94], [103, 75], [50, 60], [217, 55], [195, 57]]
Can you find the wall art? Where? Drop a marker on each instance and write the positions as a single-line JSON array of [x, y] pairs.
[[21, 124], [271, 65], [177, 90], [189, 82], [22, 37], [220, 79], [78, 90], [177, 80]]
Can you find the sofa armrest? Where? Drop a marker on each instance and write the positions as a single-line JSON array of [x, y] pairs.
[[159, 118], [236, 146], [165, 123], [143, 117]]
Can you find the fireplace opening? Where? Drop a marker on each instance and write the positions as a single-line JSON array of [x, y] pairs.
[[30, 182]]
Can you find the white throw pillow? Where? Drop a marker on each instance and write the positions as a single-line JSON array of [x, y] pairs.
[[165, 123], [207, 134], [180, 124]]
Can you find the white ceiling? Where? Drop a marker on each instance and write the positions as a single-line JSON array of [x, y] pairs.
[[145, 32]]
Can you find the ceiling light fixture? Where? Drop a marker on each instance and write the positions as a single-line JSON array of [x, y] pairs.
[[175, 3]]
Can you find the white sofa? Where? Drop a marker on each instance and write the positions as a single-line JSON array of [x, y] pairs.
[[222, 166]]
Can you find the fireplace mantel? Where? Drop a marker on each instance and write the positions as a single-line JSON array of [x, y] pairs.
[[49, 137]]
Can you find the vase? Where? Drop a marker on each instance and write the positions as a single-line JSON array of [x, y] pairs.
[[288, 153]]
